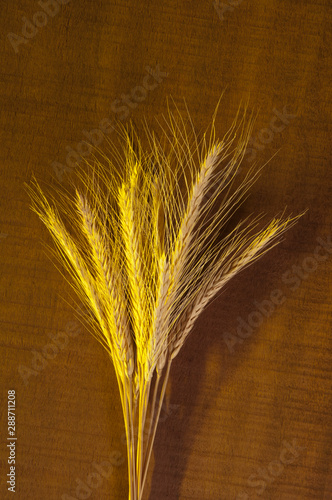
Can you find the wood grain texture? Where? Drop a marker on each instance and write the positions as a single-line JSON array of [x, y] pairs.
[[223, 434]]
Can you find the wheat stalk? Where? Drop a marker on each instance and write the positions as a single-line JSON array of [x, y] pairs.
[[141, 241]]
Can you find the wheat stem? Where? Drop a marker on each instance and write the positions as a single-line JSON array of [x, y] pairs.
[[153, 406], [155, 424]]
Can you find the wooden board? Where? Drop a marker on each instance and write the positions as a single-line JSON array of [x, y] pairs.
[[247, 417]]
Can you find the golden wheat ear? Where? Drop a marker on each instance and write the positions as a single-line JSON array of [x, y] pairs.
[[146, 243]]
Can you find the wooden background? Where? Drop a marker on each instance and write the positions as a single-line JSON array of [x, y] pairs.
[[229, 414]]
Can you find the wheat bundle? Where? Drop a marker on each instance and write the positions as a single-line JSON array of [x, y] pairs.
[[149, 247]]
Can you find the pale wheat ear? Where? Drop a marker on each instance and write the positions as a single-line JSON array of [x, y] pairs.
[[145, 253]]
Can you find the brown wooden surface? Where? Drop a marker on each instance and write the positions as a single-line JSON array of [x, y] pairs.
[[231, 412]]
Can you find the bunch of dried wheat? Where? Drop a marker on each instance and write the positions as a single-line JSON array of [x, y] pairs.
[[148, 249]]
